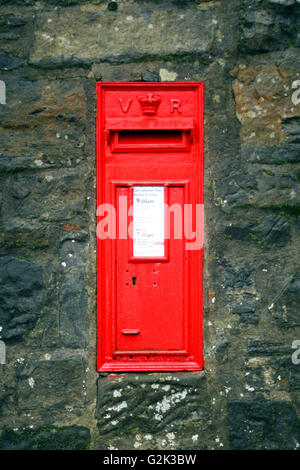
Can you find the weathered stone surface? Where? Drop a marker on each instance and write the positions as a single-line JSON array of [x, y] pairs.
[[8, 62], [269, 230], [162, 69], [73, 296], [20, 296], [23, 234], [150, 77], [48, 438], [18, 2], [130, 33], [247, 311], [237, 273], [16, 34], [10, 21], [282, 153], [286, 306], [272, 230], [267, 27], [267, 187], [54, 381], [264, 102], [273, 373], [153, 411], [50, 197], [50, 122], [43, 102], [57, 49], [258, 347], [261, 424]]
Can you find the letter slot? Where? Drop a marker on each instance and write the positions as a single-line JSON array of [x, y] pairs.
[[149, 140]]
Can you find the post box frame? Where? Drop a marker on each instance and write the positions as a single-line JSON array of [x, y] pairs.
[[109, 358]]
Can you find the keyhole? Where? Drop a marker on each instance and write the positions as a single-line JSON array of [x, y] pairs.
[[134, 281]]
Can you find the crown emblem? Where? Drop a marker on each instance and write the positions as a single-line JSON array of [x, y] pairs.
[[149, 103]]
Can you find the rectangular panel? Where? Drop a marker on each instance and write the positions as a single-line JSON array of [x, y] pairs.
[[148, 221], [150, 308]]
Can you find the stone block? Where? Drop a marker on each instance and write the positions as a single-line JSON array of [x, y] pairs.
[[51, 381], [261, 424], [47, 438], [133, 32], [21, 295]]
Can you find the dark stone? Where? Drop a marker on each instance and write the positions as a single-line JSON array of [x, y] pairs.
[[262, 424], [58, 198], [268, 231], [272, 230], [266, 28], [59, 3], [74, 322], [227, 186], [16, 235], [286, 3], [291, 126], [18, 2], [286, 307], [238, 199], [247, 311], [238, 231], [12, 163], [150, 77], [221, 347], [246, 182], [9, 62], [235, 189], [47, 128], [20, 296], [47, 438], [51, 381], [112, 6], [9, 35], [262, 347], [238, 275], [11, 21], [282, 153]]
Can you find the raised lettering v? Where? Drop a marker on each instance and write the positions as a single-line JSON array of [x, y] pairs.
[[125, 106]]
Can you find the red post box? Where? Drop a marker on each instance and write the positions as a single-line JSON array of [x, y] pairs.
[[149, 226]]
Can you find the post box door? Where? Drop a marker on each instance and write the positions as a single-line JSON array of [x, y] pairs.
[[149, 283], [150, 293]]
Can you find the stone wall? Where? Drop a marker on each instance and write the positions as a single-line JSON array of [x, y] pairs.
[[51, 55]]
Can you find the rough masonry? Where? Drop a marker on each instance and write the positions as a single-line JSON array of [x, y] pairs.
[[51, 55]]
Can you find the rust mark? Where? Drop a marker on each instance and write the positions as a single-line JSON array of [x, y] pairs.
[[284, 382], [68, 228], [211, 296]]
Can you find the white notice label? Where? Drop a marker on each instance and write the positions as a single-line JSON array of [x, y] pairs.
[[148, 221]]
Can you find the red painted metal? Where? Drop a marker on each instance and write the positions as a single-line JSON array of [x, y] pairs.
[[149, 308]]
